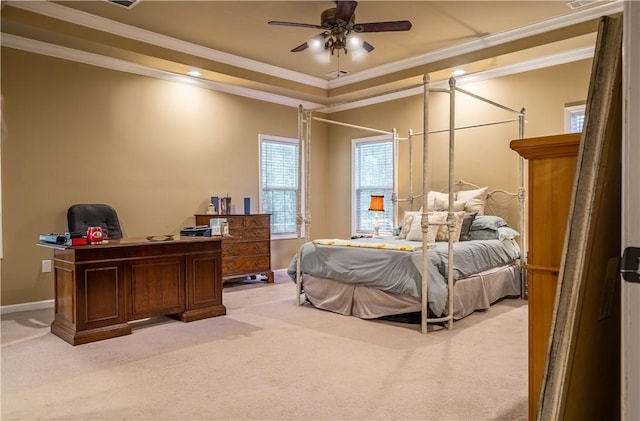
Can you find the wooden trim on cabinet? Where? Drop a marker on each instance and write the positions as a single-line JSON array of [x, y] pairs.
[[547, 146], [531, 268]]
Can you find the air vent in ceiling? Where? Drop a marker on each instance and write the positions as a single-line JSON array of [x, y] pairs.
[[125, 3], [576, 4], [337, 74]]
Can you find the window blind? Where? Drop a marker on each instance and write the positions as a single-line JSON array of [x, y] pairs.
[[373, 174], [279, 183], [577, 122], [574, 118]]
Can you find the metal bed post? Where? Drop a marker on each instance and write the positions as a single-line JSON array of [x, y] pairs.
[[410, 169], [394, 198], [522, 195], [307, 179], [450, 215], [425, 192], [301, 124], [411, 197]]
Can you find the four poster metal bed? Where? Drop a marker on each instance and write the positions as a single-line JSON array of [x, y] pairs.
[[514, 254]]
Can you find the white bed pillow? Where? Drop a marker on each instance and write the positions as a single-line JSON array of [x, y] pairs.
[[476, 199], [443, 205], [443, 232], [407, 219], [432, 196], [415, 233]]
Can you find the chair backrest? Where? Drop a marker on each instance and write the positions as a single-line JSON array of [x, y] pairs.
[[82, 216]]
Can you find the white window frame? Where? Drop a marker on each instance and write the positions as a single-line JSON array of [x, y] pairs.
[[287, 140], [569, 112], [389, 213]]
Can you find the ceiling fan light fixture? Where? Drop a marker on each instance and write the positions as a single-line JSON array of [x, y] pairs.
[[316, 44], [340, 30], [354, 41]]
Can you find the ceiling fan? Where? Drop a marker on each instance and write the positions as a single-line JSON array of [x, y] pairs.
[[339, 29]]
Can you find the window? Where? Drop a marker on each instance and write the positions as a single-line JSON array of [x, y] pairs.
[[574, 118], [373, 173], [279, 183]]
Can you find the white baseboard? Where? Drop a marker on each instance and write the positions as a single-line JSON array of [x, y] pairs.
[[37, 305], [280, 271]]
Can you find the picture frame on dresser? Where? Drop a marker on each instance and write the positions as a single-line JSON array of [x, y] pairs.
[[246, 251]]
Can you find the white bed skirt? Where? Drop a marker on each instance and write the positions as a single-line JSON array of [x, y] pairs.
[[477, 292]]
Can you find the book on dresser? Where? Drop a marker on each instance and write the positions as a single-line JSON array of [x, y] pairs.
[[247, 249]]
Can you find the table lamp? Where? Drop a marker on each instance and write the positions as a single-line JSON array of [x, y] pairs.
[[376, 205]]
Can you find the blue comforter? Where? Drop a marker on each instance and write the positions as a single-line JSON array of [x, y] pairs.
[[394, 265]]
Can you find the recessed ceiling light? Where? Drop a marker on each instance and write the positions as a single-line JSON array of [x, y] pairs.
[[458, 72], [194, 73]]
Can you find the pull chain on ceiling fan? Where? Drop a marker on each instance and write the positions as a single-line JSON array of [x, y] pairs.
[[340, 30]]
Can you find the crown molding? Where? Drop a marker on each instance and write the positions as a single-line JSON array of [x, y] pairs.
[[39, 47], [481, 43], [524, 66], [95, 22], [88, 20]]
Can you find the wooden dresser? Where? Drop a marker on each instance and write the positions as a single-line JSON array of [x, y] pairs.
[[247, 252], [552, 164]]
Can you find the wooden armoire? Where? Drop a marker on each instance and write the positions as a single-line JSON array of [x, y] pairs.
[[551, 172]]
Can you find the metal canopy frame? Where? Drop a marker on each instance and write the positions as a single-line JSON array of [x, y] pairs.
[[305, 118]]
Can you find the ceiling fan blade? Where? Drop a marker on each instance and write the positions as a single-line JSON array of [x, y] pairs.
[[299, 25], [345, 10], [398, 25], [300, 47], [367, 46]]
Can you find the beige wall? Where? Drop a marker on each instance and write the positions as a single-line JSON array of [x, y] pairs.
[[153, 149], [483, 156], [157, 150]]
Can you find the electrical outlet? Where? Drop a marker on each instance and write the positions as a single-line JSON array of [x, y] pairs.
[[46, 266]]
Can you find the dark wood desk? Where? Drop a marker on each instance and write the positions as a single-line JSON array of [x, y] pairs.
[[99, 288]]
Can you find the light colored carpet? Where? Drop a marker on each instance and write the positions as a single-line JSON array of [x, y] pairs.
[[270, 359]]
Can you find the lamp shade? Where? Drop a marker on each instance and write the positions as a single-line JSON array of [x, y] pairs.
[[377, 203]]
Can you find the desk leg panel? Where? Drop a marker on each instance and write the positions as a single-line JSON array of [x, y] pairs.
[[101, 295], [204, 287], [65, 293], [89, 302]]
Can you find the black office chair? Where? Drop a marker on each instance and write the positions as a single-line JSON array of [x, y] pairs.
[[82, 216]]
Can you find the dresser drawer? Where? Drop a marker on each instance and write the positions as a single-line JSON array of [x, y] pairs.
[[235, 233], [239, 249], [252, 221], [235, 221], [237, 266], [256, 234]]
